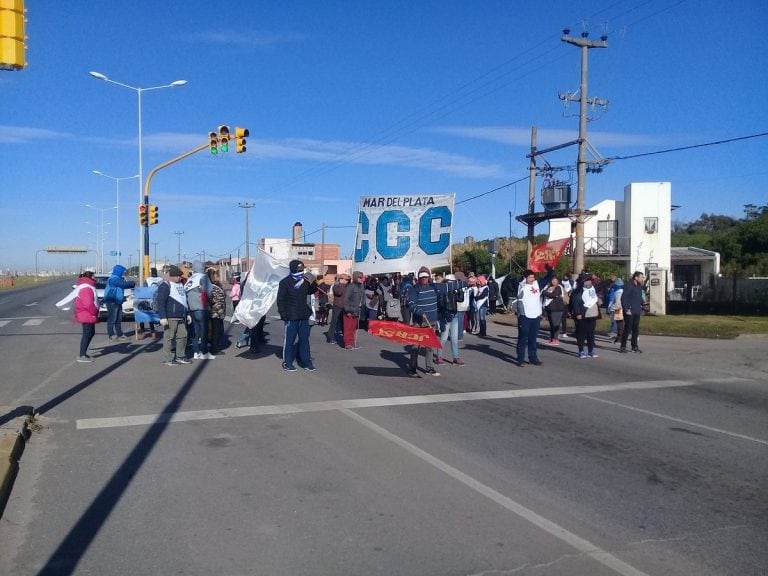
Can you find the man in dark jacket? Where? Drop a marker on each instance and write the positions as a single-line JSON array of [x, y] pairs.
[[337, 311], [172, 309], [292, 294], [632, 302], [422, 301]]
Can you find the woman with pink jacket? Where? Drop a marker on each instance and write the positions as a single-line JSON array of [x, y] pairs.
[[86, 310]]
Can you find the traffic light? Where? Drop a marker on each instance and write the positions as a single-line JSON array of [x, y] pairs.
[[224, 138], [143, 214], [152, 214], [240, 135], [214, 143], [12, 35]]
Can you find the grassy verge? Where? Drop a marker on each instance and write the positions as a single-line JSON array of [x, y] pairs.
[[691, 326]]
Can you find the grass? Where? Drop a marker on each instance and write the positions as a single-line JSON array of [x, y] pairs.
[[24, 281], [690, 326]]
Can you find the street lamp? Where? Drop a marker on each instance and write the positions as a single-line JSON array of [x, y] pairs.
[[143, 230], [102, 210], [117, 200]]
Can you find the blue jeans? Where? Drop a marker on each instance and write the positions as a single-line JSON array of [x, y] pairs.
[[481, 314], [527, 332], [451, 330], [114, 319], [200, 321], [460, 317], [297, 329]]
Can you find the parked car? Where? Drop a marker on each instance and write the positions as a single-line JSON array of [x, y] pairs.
[[101, 284]]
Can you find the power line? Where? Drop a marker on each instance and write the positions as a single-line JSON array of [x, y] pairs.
[[492, 191], [681, 148]]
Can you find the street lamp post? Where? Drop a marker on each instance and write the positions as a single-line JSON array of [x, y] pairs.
[[101, 235], [117, 202], [143, 230]]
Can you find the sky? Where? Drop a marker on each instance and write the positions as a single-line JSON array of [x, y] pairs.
[[346, 99]]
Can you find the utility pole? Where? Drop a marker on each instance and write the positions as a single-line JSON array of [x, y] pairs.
[[247, 206], [322, 252], [178, 254], [585, 44], [154, 244], [531, 194]]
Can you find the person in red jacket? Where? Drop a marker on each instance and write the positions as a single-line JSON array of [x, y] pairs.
[[86, 310]]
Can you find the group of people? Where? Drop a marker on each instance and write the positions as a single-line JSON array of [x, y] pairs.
[[192, 311]]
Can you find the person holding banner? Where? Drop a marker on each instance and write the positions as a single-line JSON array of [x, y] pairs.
[[529, 315], [292, 294], [422, 301]]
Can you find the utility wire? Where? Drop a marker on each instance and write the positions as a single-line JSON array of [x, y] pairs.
[[689, 147]]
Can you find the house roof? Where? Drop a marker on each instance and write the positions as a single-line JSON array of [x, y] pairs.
[[691, 253]]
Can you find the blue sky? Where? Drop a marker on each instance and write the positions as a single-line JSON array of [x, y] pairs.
[[345, 99]]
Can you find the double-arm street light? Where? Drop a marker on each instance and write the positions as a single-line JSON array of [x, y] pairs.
[[143, 230], [101, 234], [117, 207]]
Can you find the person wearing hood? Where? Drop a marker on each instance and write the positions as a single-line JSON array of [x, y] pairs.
[[199, 292], [353, 302], [114, 296], [584, 302], [292, 295], [86, 310], [615, 309]]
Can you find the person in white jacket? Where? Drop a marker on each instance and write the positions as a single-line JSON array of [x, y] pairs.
[[529, 315]]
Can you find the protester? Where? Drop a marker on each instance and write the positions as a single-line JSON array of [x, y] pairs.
[[568, 286], [172, 309], [493, 294], [633, 304], [610, 290], [86, 310], [218, 313], [234, 295], [529, 317], [114, 296], [337, 311], [449, 292], [462, 306], [509, 290], [422, 301], [482, 294], [152, 281], [405, 285], [199, 294], [616, 310], [292, 294], [322, 301], [353, 302], [470, 319], [585, 307], [372, 298], [555, 308]]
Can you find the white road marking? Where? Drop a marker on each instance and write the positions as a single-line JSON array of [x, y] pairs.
[[3, 323], [24, 317], [678, 420], [146, 419], [34, 322], [583, 546]]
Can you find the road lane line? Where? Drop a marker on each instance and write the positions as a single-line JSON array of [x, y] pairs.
[[34, 322], [147, 419], [4, 322], [678, 420], [583, 546]]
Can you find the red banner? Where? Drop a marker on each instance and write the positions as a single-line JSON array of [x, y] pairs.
[[399, 332], [549, 253]]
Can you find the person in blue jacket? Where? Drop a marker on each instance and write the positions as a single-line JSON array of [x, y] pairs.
[[114, 296]]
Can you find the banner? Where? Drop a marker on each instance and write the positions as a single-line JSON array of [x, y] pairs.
[[399, 332], [549, 253], [259, 288], [403, 233]]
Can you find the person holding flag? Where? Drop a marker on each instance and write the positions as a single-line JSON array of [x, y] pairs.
[[422, 302], [292, 294]]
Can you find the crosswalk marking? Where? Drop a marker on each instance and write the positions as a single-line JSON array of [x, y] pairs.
[[34, 322], [4, 322]]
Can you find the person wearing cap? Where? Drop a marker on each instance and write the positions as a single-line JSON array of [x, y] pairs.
[[529, 317], [292, 294], [172, 309], [353, 303], [584, 304], [450, 291], [336, 324], [422, 300], [199, 296]]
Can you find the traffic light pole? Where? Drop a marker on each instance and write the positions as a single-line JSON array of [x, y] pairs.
[[144, 269]]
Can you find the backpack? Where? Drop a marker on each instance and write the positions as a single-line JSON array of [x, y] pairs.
[[392, 309], [155, 299]]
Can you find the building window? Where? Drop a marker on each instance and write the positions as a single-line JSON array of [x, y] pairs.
[[607, 235], [651, 225]]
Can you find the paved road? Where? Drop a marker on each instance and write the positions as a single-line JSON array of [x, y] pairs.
[[626, 464]]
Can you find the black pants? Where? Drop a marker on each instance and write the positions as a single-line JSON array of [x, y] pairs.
[[631, 324], [215, 334], [585, 333], [257, 334], [88, 331]]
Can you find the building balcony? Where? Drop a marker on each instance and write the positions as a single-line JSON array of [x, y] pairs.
[[597, 246]]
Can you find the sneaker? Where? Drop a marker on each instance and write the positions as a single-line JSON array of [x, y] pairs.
[[623, 350], [637, 350], [458, 362], [183, 361], [537, 362], [584, 355], [171, 363], [593, 355], [113, 337], [412, 373], [310, 368], [84, 359], [439, 361], [289, 368], [197, 356], [348, 348], [557, 342], [611, 335], [433, 372], [122, 337], [207, 356]]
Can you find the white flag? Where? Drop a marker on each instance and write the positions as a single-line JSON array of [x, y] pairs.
[[260, 288]]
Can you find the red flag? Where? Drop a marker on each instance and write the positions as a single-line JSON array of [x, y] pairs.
[[549, 253], [399, 332]]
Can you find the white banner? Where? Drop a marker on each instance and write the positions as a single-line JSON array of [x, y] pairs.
[[259, 290], [403, 233]]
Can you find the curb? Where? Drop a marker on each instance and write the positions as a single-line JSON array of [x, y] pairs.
[[14, 433]]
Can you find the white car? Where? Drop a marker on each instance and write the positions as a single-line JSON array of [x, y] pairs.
[[101, 284]]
